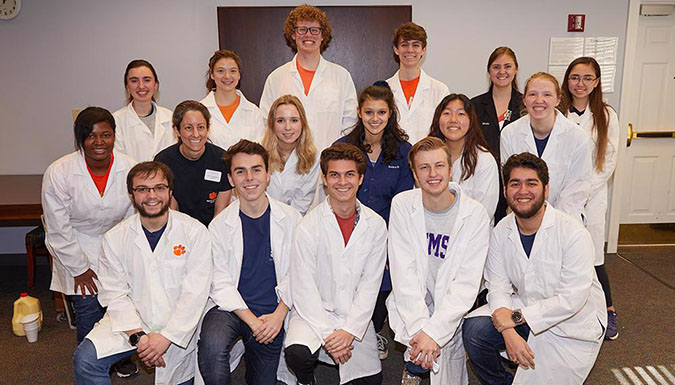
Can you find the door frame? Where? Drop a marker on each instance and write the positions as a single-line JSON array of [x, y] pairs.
[[627, 84]]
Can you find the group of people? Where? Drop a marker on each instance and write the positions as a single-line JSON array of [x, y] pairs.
[[289, 233]]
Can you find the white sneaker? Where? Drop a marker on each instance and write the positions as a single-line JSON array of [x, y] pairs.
[[382, 350], [409, 379]]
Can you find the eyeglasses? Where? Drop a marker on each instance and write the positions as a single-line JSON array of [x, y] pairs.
[[586, 78], [312, 30], [160, 188]]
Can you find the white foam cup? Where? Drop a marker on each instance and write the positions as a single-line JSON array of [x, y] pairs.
[[30, 326]]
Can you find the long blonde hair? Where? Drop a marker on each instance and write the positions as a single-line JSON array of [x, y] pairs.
[[304, 147]]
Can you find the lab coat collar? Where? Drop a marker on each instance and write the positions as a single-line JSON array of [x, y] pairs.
[[542, 233], [210, 102], [82, 165], [142, 241], [323, 64], [423, 85], [233, 220]]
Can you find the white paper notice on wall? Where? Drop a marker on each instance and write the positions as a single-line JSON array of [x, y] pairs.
[[603, 49], [607, 75], [565, 49]]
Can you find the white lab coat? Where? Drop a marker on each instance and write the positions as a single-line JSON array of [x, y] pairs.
[[330, 105], [76, 216], [567, 155], [296, 190], [247, 122], [228, 249], [334, 286], [596, 207], [133, 137], [483, 185], [416, 119], [456, 286], [161, 291], [558, 292]]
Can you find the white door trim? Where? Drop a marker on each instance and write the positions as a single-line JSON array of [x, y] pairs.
[[626, 85]]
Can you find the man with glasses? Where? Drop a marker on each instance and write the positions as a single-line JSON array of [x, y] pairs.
[[326, 89], [155, 276]]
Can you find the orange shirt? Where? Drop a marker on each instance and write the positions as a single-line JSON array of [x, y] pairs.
[[306, 76], [502, 116], [101, 180], [228, 111], [409, 88]]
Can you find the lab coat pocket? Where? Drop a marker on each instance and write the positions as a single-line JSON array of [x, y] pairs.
[[329, 98], [546, 277]]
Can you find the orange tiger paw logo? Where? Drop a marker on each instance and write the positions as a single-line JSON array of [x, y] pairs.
[[179, 250], [213, 195]]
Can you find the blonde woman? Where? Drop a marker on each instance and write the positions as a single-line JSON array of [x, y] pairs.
[[293, 155]]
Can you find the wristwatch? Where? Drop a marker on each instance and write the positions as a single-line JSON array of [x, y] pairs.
[[517, 317], [134, 338]]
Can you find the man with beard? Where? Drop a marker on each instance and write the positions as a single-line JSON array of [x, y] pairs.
[[546, 303], [155, 275]]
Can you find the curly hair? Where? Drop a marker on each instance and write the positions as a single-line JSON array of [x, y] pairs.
[[393, 134], [309, 13], [305, 148], [474, 140]]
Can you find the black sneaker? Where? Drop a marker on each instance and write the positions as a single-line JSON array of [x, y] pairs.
[[125, 368]]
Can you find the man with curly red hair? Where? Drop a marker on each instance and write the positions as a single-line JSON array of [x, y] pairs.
[[326, 89]]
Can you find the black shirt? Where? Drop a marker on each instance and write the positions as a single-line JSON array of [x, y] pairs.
[[489, 121], [197, 183]]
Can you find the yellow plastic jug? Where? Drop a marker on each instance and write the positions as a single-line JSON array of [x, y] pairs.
[[23, 306]]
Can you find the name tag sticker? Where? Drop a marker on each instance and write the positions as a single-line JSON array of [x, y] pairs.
[[212, 175]]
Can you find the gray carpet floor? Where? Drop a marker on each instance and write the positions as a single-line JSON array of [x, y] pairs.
[[642, 285]]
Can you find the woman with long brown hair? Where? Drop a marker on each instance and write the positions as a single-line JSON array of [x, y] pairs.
[[474, 167], [385, 145], [583, 104], [500, 105]]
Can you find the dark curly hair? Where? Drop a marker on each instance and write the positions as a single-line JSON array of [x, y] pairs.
[[393, 134]]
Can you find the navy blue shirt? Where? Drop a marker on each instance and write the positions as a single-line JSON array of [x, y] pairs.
[[541, 144], [527, 241], [258, 278], [383, 181], [196, 183], [153, 237]]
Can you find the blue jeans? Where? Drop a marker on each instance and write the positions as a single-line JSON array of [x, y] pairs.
[[220, 330], [87, 312], [92, 371], [483, 343]]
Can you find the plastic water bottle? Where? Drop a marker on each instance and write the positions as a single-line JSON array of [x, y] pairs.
[[24, 306]]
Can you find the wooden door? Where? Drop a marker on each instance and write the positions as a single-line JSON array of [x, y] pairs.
[[362, 41]]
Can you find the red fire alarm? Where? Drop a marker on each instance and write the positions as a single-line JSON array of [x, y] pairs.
[[576, 23]]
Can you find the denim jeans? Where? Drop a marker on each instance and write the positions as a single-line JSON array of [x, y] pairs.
[[87, 312], [220, 330], [92, 371], [483, 343]]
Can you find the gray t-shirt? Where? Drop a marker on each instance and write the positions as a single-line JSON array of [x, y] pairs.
[[150, 120], [439, 226]]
